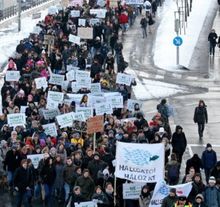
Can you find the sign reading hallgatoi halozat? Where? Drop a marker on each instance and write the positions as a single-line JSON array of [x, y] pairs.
[[140, 162]]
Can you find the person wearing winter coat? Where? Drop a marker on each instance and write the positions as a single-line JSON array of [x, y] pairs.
[[216, 171], [209, 160], [75, 197], [212, 194], [145, 197], [86, 184], [199, 201], [100, 197], [170, 199], [143, 24], [212, 38], [22, 184], [179, 143], [195, 162], [163, 109], [201, 117]]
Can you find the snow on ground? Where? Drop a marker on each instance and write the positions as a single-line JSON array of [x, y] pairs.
[[164, 50], [10, 37]]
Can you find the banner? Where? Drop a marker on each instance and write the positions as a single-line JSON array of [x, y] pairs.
[[65, 120], [95, 124], [140, 162], [87, 111], [134, 2], [51, 113], [35, 159], [50, 129], [85, 33], [162, 190], [85, 204], [12, 75], [56, 79], [41, 83], [124, 79], [100, 13], [74, 39], [18, 119], [103, 108], [132, 190], [131, 103]]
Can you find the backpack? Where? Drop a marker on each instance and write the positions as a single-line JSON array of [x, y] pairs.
[[173, 172]]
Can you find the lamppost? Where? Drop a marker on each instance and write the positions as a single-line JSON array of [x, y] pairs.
[[19, 15]]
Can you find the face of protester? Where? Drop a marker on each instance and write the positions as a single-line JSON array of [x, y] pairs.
[[14, 135], [197, 179], [192, 172], [198, 200], [172, 194], [98, 191], [86, 174], [182, 203], [24, 165], [69, 162], [77, 191], [209, 149], [109, 189], [79, 171]]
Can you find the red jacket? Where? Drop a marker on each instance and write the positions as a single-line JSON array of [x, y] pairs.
[[123, 18]]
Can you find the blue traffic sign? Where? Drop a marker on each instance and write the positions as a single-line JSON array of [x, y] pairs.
[[177, 41]]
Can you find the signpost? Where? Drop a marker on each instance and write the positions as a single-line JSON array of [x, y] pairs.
[[177, 41]]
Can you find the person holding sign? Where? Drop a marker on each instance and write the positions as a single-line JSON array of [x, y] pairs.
[[145, 197], [75, 197]]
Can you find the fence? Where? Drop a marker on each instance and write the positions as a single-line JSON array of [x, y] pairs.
[[12, 11]]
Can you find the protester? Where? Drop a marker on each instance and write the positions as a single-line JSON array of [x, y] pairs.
[[212, 38], [171, 199]]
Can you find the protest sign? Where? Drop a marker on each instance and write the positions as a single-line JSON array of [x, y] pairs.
[[84, 82], [75, 97], [101, 3], [18, 119], [113, 3], [115, 101], [23, 109], [87, 111], [95, 88], [93, 100], [74, 39], [35, 159], [50, 129], [131, 103], [51, 104], [100, 13], [78, 116], [94, 21], [65, 120], [71, 75], [81, 22], [49, 40], [124, 79], [85, 33], [75, 13], [103, 108], [75, 87], [75, 2], [95, 124], [55, 96], [140, 162], [85, 204], [51, 113], [65, 85], [134, 2], [132, 190], [52, 10], [71, 67], [82, 74], [161, 190], [12, 75], [56, 79], [41, 83]]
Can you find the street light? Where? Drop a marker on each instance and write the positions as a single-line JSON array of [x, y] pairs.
[[19, 15]]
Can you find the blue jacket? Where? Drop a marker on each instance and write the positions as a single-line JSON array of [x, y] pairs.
[[209, 159], [212, 196]]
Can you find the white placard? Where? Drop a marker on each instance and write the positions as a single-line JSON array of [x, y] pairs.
[[51, 104], [85, 32], [75, 13], [75, 87], [65, 85], [56, 79], [41, 83], [101, 3], [71, 67], [124, 79], [71, 75], [132, 190], [75, 97], [75, 2], [82, 74], [79, 116], [23, 109], [135, 2], [131, 103], [85, 204], [55, 96], [35, 159], [95, 88], [12, 75], [74, 39], [103, 108], [140, 162], [52, 10], [100, 13], [116, 101], [93, 100], [50, 129], [94, 21], [87, 111], [84, 82], [82, 22], [51, 113], [65, 120], [18, 119], [37, 30]]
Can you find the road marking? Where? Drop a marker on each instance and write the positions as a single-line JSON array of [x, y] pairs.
[[161, 72], [144, 74], [179, 76], [203, 145], [190, 150], [191, 78], [159, 77]]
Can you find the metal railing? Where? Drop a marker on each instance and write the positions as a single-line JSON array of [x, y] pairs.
[[12, 11]]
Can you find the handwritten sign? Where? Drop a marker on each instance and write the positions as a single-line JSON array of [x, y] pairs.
[[82, 22], [51, 113], [55, 96], [124, 79], [56, 79], [103, 108], [41, 83], [50, 129], [87, 111], [74, 39], [65, 120], [100, 13], [18, 119], [75, 13], [35, 159], [95, 88], [85, 33], [12, 75], [95, 124]]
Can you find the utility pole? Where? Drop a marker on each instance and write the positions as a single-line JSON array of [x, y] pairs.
[[19, 15]]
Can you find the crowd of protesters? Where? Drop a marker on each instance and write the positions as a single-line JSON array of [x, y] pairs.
[[72, 169]]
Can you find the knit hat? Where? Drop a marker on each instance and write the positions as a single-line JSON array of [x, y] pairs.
[[172, 190], [76, 188], [208, 145], [182, 198], [200, 196], [212, 179]]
